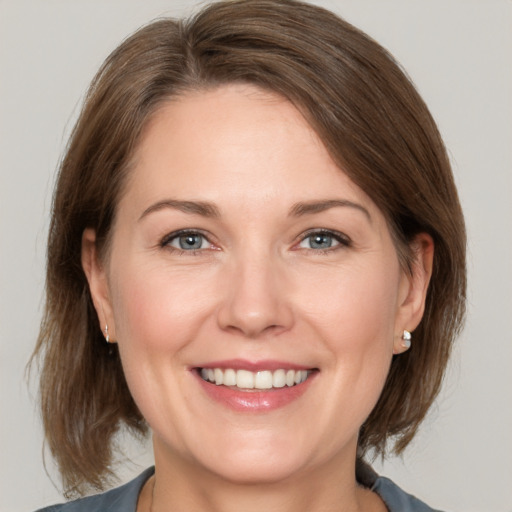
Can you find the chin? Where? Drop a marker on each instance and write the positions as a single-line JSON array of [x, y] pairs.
[[241, 457], [257, 470]]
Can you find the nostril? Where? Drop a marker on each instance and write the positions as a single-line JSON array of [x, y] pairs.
[[254, 331]]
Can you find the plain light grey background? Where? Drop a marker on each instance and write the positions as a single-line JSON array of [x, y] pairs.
[[459, 54]]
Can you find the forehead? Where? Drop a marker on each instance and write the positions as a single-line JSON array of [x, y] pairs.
[[235, 141], [226, 121]]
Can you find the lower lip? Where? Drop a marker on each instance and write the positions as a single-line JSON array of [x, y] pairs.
[[253, 400]]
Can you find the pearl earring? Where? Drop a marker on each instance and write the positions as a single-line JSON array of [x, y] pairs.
[[406, 340], [105, 331]]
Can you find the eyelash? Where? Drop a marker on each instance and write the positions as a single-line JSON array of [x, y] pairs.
[[342, 239], [166, 241]]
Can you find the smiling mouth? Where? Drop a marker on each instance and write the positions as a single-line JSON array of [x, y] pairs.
[[245, 379]]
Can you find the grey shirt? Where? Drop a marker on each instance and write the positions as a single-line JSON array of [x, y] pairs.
[[124, 498]]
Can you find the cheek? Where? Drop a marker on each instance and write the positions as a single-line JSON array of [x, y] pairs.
[[157, 314], [356, 307], [354, 318], [156, 309], [360, 338]]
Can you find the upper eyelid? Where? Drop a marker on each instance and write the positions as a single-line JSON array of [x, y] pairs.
[[181, 232], [323, 231]]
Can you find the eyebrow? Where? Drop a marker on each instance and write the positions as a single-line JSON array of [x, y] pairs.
[[194, 207], [307, 208], [210, 210]]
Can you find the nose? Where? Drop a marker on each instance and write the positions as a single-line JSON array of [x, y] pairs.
[[256, 299]]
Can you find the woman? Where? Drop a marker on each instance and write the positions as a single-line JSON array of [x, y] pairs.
[[254, 213]]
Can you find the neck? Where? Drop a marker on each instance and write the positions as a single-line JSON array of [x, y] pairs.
[[181, 485]]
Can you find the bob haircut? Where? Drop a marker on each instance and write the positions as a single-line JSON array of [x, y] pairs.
[[375, 127]]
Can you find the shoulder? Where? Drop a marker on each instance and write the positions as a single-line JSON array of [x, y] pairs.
[[120, 499], [395, 499], [398, 500]]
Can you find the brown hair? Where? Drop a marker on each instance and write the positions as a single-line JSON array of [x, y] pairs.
[[375, 126]]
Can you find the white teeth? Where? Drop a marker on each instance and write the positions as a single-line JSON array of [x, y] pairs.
[[229, 377], [263, 380], [279, 379], [244, 379], [219, 376]]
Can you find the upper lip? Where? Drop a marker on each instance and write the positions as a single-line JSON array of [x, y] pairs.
[[254, 366]]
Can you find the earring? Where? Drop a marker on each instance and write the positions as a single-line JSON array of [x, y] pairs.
[[105, 332], [406, 340]]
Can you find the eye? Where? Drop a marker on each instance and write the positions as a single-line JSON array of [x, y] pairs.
[[186, 241], [323, 240]]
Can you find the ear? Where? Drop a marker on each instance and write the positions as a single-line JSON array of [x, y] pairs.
[[413, 289], [96, 274]]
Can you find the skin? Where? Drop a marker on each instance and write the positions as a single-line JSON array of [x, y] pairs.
[[256, 290]]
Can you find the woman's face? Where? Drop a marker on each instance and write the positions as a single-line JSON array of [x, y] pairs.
[[241, 254]]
